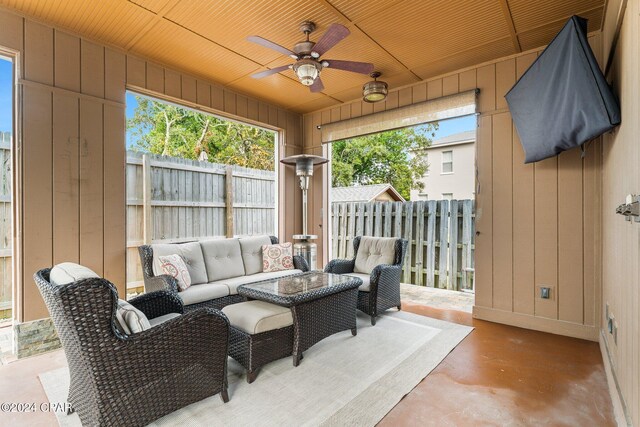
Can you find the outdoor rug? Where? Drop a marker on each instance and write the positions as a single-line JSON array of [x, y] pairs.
[[342, 380]]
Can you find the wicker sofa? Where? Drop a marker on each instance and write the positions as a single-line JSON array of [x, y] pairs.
[[378, 262], [217, 268], [120, 378]]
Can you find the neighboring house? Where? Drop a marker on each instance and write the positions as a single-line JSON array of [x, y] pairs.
[[366, 193], [451, 173]]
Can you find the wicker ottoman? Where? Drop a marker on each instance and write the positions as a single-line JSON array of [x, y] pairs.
[[260, 333]]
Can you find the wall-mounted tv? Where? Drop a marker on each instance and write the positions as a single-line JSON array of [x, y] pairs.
[[562, 100]]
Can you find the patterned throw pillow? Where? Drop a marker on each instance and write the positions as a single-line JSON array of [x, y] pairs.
[[174, 266], [277, 257]]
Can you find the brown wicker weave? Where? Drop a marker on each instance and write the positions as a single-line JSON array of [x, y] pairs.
[[317, 312], [165, 282], [384, 287], [132, 380], [255, 351]]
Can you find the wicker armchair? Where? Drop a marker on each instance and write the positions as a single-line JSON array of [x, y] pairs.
[[166, 282], [120, 379], [384, 289]]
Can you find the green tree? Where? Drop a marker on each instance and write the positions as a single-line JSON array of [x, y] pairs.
[[395, 157], [169, 130]]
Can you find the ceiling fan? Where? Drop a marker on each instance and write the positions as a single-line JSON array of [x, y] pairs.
[[307, 54]]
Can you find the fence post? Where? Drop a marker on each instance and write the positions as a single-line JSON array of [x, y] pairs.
[[432, 221], [408, 227], [147, 224], [444, 249], [467, 239], [228, 199], [419, 250], [453, 245]]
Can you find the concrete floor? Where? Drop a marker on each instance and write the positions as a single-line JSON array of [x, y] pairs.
[[506, 376], [498, 375], [437, 298]]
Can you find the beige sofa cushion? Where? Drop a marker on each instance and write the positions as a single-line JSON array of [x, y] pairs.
[[234, 282], [366, 281], [374, 251], [251, 248], [204, 292], [161, 319], [69, 272], [190, 252], [223, 259], [254, 317]]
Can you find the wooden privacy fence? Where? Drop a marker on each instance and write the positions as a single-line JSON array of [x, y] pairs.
[[170, 199], [441, 234], [5, 225]]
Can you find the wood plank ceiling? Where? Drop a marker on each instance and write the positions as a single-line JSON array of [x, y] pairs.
[[407, 40]]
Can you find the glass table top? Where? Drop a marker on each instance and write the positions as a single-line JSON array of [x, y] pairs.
[[301, 283]]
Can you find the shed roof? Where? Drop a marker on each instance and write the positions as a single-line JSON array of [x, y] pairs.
[[363, 193]]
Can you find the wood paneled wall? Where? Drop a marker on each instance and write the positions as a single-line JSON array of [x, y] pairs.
[[621, 239], [537, 224], [70, 150]]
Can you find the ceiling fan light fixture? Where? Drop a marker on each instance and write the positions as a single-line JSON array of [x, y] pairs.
[[307, 54], [375, 91], [307, 71]]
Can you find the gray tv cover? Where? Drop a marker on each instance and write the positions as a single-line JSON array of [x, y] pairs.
[[563, 99]]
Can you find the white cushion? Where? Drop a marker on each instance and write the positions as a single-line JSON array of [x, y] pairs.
[[366, 281], [374, 251], [234, 282], [174, 266], [190, 252], [223, 259], [255, 317], [252, 253], [205, 292], [69, 272], [277, 257], [130, 318], [161, 319]]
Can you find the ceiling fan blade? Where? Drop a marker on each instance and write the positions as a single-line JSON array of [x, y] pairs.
[[332, 37], [271, 45], [317, 85], [353, 66], [266, 73]]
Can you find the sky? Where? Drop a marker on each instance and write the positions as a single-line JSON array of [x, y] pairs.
[[131, 106], [456, 125], [6, 85]]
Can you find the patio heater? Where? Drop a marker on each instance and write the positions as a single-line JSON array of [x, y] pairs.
[[304, 164]]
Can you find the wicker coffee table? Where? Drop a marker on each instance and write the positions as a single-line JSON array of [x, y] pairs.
[[322, 304]]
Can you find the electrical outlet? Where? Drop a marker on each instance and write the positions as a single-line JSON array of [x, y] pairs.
[[545, 292]]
